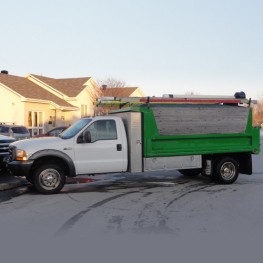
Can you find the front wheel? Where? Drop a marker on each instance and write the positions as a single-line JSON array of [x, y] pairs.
[[226, 171], [49, 179]]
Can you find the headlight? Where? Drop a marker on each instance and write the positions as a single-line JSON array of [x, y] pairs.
[[21, 155]]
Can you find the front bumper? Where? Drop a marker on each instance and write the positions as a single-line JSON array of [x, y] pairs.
[[20, 168], [4, 158]]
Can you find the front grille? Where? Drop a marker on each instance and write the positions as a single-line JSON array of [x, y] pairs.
[[4, 148], [12, 153]]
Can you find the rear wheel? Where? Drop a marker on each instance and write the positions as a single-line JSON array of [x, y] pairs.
[[190, 172], [49, 178], [226, 171]]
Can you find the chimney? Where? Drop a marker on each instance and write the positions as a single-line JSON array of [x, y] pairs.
[[4, 72], [104, 87]]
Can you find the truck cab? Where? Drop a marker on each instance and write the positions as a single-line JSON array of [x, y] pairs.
[[91, 145]]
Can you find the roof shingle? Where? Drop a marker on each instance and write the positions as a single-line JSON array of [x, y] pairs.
[[118, 92], [30, 90], [70, 86]]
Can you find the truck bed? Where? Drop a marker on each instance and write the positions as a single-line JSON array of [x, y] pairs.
[[198, 129]]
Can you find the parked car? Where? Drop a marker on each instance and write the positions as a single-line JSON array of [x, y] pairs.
[[53, 132], [18, 132], [4, 150]]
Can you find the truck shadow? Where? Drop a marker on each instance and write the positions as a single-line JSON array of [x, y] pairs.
[[132, 182], [139, 181], [129, 181]]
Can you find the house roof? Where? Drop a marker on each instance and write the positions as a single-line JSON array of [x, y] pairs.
[[118, 92], [29, 90], [71, 87]]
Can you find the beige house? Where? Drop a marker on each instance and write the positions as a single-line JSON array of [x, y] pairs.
[[41, 103]]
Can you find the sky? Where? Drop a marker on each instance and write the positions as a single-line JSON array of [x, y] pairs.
[[208, 47]]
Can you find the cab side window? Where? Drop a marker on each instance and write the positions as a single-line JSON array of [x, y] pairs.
[[103, 130]]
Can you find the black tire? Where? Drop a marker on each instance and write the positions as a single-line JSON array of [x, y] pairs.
[[225, 171], [49, 178], [191, 172]]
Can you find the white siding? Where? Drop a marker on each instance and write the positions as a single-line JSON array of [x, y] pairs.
[[11, 107]]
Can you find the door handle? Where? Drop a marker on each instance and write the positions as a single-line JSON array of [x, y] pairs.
[[119, 147]]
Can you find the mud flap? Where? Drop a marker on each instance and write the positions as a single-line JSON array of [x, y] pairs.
[[245, 163]]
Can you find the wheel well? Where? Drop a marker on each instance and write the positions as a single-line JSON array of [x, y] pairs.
[[51, 160], [217, 158], [243, 159]]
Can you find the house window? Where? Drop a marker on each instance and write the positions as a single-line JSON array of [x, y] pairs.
[[84, 110], [36, 122]]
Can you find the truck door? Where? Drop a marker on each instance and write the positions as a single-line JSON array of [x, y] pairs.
[[106, 152]]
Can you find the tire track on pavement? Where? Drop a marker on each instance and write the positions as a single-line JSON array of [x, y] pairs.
[[187, 192], [74, 219]]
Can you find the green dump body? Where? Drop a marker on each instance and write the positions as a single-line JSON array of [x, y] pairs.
[[177, 130]]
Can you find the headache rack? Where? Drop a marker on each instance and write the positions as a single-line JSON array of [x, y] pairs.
[[238, 99]]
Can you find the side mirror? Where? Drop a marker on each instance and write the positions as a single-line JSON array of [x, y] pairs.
[[84, 137], [80, 138], [87, 137]]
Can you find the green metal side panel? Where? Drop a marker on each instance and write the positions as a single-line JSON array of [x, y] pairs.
[[156, 145]]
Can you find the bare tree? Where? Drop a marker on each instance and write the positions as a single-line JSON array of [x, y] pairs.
[[258, 112], [111, 83]]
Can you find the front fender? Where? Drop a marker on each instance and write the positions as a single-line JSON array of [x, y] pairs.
[[57, 154]]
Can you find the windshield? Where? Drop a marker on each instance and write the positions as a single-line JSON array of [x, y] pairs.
[[74, 129], [21, 130]]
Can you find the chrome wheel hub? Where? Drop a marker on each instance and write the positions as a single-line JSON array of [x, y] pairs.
[[49, 178], [228, 171]]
